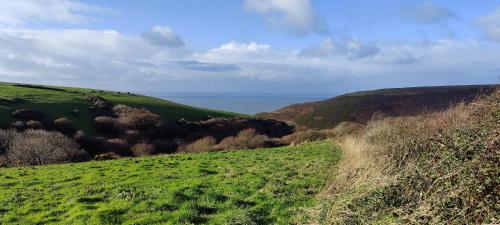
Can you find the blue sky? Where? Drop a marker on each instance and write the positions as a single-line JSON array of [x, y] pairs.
[[282, 46]]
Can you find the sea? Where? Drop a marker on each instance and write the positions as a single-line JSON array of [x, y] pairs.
[[240, 103]]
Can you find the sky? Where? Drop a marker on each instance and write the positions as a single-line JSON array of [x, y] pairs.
[[249, 46]]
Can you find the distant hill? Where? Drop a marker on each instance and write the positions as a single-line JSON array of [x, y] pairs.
[[362, 106], [62, 101]]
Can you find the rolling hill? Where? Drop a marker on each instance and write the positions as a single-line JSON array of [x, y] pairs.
[[362, 106], [62, 101]]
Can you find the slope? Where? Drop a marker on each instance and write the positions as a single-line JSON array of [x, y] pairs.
[[61, 101], [362, 106]]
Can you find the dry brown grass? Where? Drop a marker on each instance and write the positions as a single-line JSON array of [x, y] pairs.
[[407, 169]]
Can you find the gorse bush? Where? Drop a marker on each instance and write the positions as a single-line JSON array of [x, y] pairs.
[[38, 147]]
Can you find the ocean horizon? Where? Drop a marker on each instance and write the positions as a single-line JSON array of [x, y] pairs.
[[238, 102]]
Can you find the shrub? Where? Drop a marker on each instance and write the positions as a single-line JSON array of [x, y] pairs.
[[304, 136], [33, 124], [165, 146], [142, 149], [19, 125], [75, 112], [3, 161], [105, 124], [106, 156], [91, 144], [65, 126], [132, 135], [439, 168], [247, 139], [118, 146], [5, 138], [201, 145], [37, 147], [134, 118]]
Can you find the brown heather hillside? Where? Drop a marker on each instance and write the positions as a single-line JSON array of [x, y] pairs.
[[362, 106]]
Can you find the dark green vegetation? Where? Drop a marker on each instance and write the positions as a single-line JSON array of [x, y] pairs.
[[362, 106], [264, 186], [61, 101]]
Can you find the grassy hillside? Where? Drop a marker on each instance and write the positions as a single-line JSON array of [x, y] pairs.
[[60, 101], [362, 106], [264, 186]]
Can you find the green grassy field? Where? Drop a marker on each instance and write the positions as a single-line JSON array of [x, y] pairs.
[[263, 186], [59, 103]]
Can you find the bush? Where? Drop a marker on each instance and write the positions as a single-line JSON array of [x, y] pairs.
[[38, 147], [165, 146], [65, 126], [132, 135], [201, 145], [134, 118], [438, 168], [3, 161], [5, 137], [142, 149], [106, 156], [33, 124], [19, 125], [105, 124], [118, 146], [75, 112], [92, 144], [304, 137], [247, 139]]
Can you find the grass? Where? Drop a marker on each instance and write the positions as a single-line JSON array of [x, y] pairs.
[[60, 103], [263, 186]]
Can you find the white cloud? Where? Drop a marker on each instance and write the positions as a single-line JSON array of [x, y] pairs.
[[163, 36], [490, 24], [234, 51], [20, 12], [235, 47], [297, 16], [352, 48], [427, 12]]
